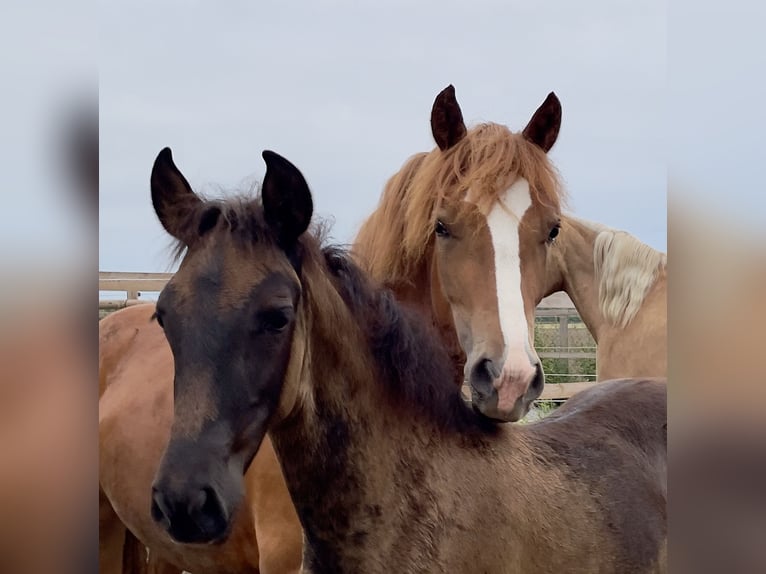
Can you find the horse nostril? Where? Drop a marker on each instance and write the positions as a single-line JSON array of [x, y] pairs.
[[492, 369], [209, 514], [191, 513], [482, 376], [209, 503], [159, 509], [485, 369]]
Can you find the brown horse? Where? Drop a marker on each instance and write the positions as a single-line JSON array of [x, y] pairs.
[[619, 287], [388, 468], [460, 231]]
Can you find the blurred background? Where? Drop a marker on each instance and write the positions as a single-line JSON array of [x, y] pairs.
[[48, 257], [666, 100]]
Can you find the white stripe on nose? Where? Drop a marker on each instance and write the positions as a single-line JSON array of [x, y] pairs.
[[503, 221]]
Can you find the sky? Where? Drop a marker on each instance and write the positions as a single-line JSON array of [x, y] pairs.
[[344, 90]]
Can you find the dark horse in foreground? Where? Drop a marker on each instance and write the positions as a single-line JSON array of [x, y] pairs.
[[389, 469]]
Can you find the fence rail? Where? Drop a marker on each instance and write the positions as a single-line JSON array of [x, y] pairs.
[[134, 285]]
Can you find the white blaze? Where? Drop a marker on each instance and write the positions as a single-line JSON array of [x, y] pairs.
[[503, 222]]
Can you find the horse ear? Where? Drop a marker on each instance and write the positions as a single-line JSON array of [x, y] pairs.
[[446, 119], [287, 203], [543, 128], [175, 204]]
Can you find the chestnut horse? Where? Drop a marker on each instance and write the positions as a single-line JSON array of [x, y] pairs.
[[460, 231], [389, 469], [486, 272]]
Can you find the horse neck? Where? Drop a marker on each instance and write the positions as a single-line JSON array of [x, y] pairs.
[[572, 258], [341, 447], [325, 445]]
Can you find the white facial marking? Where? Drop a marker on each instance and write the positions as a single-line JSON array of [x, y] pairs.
[[503, 222]]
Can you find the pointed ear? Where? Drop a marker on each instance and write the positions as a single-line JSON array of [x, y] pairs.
[[543, 128], [446, 119], [175, 204], [287, 203]]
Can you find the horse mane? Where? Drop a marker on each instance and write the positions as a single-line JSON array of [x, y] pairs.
[[626, 270], [415, 369], [378, 245], [243, 213], [485, 162]]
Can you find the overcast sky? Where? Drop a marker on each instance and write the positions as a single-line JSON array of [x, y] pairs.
[[344, 90]]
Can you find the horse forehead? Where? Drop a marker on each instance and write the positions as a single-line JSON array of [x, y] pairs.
[[505, 215], [226, 274], [242, 273], [513, 203]]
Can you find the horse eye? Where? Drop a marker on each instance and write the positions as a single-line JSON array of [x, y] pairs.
[[554, 233], [440, 229], [275, 320]]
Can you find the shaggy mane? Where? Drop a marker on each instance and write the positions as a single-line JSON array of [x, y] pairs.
[[380, 236], [242, 213]]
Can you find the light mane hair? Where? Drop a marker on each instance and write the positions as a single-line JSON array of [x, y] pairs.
[[377, 245], [626, 270], [486, 161]]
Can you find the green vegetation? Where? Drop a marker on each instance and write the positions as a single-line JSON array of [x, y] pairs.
[[564, 370], [561, 370]]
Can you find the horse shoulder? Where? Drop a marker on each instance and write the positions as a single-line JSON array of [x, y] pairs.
[[116, 333]]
